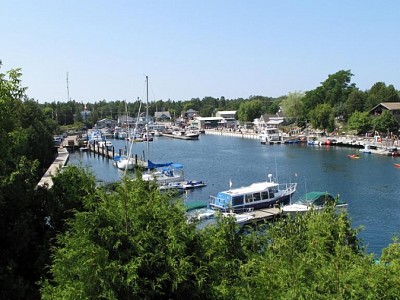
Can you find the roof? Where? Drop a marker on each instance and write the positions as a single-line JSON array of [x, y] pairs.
[[208, 118], [227, 112], [274, 122], [388, 105], [254, 188], [159, 114]]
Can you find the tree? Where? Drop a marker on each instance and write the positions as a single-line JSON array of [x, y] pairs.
[[25, 149], [293, 105], [323, 117], [355, 102], [250, 110], [379, 93], [131, 244], [386, 123], [360, 121]]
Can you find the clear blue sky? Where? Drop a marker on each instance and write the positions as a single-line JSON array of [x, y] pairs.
[[196, 48]]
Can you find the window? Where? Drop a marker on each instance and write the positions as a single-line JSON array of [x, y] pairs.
[[257, 197], [264, 195], [238, 200], [249, 198]]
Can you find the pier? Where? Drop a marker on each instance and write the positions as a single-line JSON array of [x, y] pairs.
[[61, 160], [265, 214], [245, 135]]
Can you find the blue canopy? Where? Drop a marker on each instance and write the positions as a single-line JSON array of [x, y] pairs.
[[152, 165]]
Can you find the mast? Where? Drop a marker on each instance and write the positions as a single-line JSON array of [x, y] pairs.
[[147, 116]]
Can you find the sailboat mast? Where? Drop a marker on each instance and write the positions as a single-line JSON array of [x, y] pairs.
[[147, 115]]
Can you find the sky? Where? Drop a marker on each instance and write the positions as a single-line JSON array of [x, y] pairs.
[[195, 48]]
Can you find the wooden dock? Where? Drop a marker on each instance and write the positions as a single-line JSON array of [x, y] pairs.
[[111, 153], [61, 160], [265, 214]]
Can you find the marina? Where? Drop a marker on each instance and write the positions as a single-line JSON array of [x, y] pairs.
[[368, 184]]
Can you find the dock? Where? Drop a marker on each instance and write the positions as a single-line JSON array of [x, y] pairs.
[[61, 160], [265, 214], [72, 143]]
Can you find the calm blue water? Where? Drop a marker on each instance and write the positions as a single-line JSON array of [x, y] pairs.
[[369, 184]]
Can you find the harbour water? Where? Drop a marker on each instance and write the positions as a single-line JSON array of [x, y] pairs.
[[369, 184]]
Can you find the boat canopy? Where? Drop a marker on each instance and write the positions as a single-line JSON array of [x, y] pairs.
[[152, 165], [316, 198]]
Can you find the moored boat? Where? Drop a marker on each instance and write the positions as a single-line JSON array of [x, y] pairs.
[[255, 196], [271, 135], [315, 201], [164, 173]]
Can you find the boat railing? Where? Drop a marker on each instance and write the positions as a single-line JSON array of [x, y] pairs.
[[288, 188]]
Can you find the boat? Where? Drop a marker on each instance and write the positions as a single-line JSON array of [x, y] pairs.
[[271, 135], [106, 144], [353, 156], [205, 216], [315, 201], [397, 165], [255, 196], [187, 184], [366, 149], [164, 173], [184, 134], [124, 162], [95, 136]]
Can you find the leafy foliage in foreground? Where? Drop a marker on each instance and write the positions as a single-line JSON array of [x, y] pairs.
[[136, 243]]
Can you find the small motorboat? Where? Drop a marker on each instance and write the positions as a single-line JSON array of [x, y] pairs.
[[397, 165], [353, 156]]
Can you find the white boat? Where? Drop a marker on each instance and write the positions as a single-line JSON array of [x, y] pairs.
[[255, 196], [164, 173], [106, 144], [315, 201], [209, 215], [271, 135], [366, 149], [95, 136], [124, 163]]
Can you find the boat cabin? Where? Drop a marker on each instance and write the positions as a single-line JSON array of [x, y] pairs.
[[256, 196]]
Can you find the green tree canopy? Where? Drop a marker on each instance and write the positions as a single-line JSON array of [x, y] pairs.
[[386, 123], [250, 110], [322, 117], [360, 121], [379, 93]]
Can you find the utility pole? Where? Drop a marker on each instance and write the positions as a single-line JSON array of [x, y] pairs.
[[67, 88]]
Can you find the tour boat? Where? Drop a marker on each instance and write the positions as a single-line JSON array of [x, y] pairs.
[[255, 196]]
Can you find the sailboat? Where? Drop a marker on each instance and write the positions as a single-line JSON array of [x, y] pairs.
[[163, 173], [126, 162]]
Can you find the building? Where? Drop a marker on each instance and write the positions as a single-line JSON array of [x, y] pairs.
[[162, 116], [125, 120], [106, 123], [393, 107], [226, 114], [189, 114], [268, 120]]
